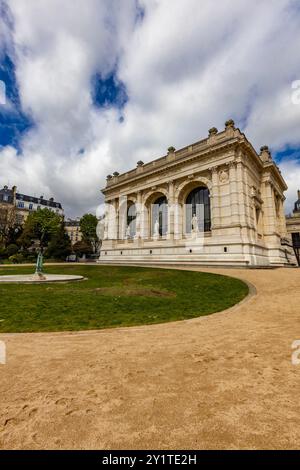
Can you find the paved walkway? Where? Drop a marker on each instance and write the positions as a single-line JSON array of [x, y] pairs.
[[221, 381]]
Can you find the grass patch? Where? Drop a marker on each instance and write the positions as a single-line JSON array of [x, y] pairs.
[[113, 296]]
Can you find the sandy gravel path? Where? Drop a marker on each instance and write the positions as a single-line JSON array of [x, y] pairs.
[[222, 381]]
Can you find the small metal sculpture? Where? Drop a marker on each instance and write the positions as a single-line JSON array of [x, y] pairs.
[[39, 264], [39, 267]]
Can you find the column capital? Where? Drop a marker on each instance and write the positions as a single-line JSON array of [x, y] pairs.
[[213, 169], [233, 164]]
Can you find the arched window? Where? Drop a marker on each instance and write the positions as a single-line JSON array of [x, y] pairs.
[[160, 215], [131, 220], [198, 203]]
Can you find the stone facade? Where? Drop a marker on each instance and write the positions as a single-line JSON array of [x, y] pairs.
[[72, 228], [215, 202], [24, 204], [293, 227]]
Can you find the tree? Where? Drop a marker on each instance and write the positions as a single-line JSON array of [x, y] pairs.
[[7, 222], [41, 226], [88, 226], [59, 247], [82, 248]]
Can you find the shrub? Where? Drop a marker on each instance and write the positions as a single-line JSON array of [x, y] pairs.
[[17, 258], [31, 258], [2, 252], [11, 250]]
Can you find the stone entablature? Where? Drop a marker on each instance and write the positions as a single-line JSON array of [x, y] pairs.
[[240, 219]]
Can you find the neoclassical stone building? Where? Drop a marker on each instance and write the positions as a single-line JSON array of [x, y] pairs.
[[215, 202], [293, 227]]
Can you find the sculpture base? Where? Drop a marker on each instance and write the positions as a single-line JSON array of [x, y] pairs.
[[38, 277]]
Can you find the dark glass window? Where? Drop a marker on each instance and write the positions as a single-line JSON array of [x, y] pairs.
[[198, 202], [131, 219], [296, 239], [160, 213]]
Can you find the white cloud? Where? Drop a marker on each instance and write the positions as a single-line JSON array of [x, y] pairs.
[[186, 68]]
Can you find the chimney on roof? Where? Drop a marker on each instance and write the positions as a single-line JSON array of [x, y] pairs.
[[14, 191]]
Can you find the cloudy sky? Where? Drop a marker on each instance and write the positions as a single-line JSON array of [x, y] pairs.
[[93, 86]]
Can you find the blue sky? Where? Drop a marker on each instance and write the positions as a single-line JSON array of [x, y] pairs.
[[13, 122], [100, 84]]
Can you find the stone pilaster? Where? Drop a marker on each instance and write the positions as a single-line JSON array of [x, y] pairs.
[[283, 229], [269, 208], [106, 220], [215, 200], [234, 194], [112, 226], [171, 210], [241, 194], [138, 215]]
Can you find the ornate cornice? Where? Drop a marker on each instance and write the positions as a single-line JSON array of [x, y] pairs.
[[165, 166]]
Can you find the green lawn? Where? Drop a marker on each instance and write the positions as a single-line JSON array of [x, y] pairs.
[[113, 296]]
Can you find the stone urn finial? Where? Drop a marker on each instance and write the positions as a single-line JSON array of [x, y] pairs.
[[116, 173], [140, 163], [171, 149], [229, 124], [109, 177], [265, 153], [212, 131]]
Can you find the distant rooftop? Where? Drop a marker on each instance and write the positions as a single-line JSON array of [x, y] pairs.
[[7, 195], [72, 222]]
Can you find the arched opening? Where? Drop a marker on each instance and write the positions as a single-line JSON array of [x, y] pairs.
[[198, 203], [131, 220], [160, 216]]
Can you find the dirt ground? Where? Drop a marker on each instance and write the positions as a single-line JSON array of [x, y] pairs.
[[221, 381]]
